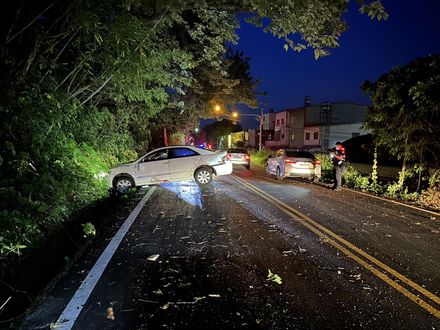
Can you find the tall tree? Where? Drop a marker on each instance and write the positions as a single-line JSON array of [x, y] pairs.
[[84, 83], [220, 129], [405, 116]]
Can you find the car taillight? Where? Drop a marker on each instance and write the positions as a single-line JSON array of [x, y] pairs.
[[247, 157], [289, 161], [228, 156], [317, 162]]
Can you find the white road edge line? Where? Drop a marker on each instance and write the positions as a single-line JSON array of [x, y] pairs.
[[73, 309], [395, 202]]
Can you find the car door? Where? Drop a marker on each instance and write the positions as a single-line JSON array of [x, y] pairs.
[[154, 167], [182, 163], [274, 162], [281, 161], [271, 162]]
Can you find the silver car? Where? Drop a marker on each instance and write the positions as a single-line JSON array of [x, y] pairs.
[[294, 163], [239, 156], [176, 163]]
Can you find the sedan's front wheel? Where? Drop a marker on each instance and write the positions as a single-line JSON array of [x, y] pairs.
[[203, 176], [123, 184]]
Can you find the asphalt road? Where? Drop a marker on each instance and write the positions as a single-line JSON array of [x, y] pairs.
[[251, 252]]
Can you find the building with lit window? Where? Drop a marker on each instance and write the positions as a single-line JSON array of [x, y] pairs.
[[317, 126]]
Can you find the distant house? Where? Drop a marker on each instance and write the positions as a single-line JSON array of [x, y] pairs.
[[269, 121], [317, 126], [328, 123], [267, 130], [289, 129]]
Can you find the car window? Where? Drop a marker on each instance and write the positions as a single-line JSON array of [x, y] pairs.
[[299, 154], [237, 151], [158, 155], [182, 152]]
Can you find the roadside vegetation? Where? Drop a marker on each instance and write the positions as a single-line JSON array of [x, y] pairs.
[[428, 196], [405, 120], [260, 157]]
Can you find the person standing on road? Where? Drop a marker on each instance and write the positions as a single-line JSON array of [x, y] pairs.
[[337, 155]]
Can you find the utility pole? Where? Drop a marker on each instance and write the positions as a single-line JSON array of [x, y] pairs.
[[260, 141], [259, 117], [165, 137]]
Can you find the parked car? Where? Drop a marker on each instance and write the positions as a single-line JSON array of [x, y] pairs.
[[294, 163], [239, 156], [166, 164]]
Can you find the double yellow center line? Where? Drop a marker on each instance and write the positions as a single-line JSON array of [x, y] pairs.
[[375, 266]]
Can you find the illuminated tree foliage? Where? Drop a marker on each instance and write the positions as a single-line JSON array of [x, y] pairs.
[[84, 83], [405, 116]]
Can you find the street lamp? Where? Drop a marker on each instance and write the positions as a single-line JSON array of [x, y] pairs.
[[260, 119]]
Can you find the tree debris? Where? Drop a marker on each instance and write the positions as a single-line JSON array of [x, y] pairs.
[[110, 313], [274, 277], [153, 257]]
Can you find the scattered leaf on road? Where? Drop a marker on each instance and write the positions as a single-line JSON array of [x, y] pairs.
[[273, 277], [301, 249], [110, 314], [153, 257]]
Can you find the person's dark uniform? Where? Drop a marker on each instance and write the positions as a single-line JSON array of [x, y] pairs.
[[337, 154]]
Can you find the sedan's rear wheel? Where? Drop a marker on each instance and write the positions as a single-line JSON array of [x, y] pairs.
[[279, 175], [123, 184], [203, 176]]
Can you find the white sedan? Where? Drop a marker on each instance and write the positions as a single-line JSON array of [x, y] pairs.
[[294, 163], [176, 163]]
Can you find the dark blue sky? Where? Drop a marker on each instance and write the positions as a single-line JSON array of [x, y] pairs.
[[367, 50]]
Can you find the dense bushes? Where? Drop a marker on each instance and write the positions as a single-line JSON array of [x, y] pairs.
[[427, 197], [260, 157], [53, 156]]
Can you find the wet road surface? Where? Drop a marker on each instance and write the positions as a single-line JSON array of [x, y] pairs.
[[252, 252]]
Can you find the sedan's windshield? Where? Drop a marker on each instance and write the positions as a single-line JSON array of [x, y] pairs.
[[299, 154]]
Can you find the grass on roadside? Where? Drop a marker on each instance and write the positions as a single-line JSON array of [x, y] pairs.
[[260, 157]]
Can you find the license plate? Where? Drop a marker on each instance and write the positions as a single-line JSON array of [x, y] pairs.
[[302, 164]]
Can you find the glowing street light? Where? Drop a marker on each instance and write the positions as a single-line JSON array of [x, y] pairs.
[[217, 108], [259, 118]]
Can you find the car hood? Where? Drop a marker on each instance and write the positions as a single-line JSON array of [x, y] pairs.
[[123, 165]]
